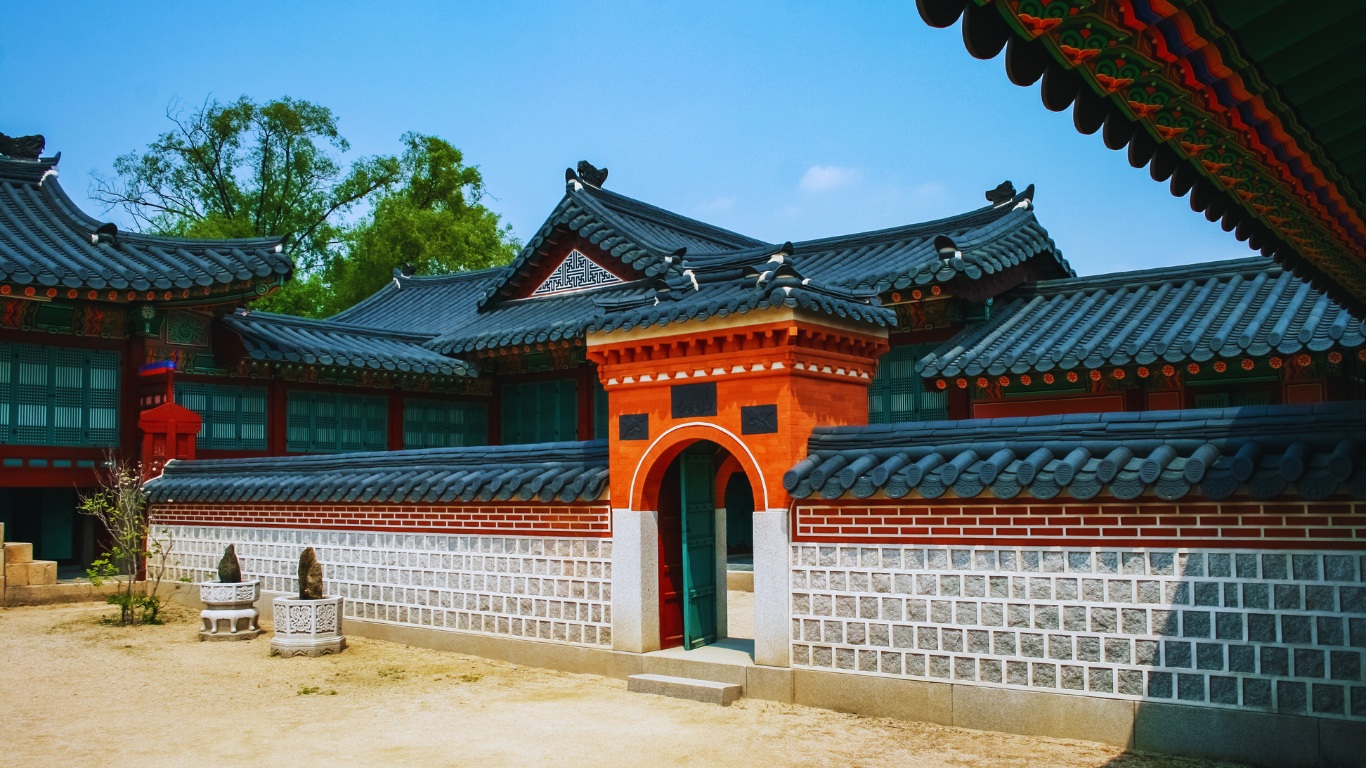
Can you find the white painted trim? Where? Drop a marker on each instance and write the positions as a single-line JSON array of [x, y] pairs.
[[763, 484]]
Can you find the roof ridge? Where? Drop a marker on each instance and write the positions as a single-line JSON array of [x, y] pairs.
[[976, 217], [328, 324], [1226, 268], [23, 169], [68, 208], [414, 281], [705, 229], [1080, 427], [550, 452], [452, 277]]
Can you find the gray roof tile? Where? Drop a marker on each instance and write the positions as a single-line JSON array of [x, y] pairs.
[[284, 338], [47, 242], [1313, 451], [568, 472], [1174, 314]]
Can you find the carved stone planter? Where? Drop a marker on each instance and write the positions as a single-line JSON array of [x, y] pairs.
[[229, 613], [307, 627]]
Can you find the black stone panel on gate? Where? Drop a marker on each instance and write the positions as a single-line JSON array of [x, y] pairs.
[[758, 419], [634, 426], [690, 400]]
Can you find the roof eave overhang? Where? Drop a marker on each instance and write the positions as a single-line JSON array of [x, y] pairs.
[[1142, 103]]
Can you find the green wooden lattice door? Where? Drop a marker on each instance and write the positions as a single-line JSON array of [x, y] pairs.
[[699, 554]]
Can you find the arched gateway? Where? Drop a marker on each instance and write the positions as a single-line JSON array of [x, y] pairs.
[[692, 407]]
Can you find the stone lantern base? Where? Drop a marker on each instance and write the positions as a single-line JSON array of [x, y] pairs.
[[307, 627], [229, 613]]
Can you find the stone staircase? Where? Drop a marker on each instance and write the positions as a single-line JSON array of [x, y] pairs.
[[705, 691], [714, 674], [21, 570]]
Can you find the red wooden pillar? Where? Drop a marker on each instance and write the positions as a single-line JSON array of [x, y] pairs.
[[584, 388], [495, 415], [396, 420], [277, 418]]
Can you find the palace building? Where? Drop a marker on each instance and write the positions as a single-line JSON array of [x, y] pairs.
[[966, 484]]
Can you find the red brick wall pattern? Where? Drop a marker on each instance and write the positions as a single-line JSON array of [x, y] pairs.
[[1231, 524], [572, 520]]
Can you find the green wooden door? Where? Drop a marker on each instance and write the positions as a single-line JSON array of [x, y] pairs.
[[699, 548]]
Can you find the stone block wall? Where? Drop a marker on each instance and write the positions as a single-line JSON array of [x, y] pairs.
[[1262, 630], [554, 589]]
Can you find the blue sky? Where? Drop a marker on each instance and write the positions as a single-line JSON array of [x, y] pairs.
[[785, 121]]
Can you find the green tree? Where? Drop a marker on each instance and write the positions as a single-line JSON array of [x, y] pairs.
[[248, 170], [272, 169], [431, 218], [133, 545]]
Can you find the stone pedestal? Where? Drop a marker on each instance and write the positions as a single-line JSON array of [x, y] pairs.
[[307, 627], [229, 613]]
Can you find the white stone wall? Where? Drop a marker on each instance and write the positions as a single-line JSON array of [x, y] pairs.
[[1262, 630], [554, 589]]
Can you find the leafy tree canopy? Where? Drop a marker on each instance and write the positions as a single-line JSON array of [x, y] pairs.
[[273, 169], [430, 219]]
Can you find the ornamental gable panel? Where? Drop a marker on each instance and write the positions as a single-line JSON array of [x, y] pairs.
[[576, 273]]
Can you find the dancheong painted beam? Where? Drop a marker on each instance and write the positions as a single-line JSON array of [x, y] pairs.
[[1252, 107]]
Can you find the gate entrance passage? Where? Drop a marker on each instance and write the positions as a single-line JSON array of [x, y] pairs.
[[692, 550]]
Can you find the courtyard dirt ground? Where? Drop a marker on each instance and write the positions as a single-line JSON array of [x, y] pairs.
[[78, 692]]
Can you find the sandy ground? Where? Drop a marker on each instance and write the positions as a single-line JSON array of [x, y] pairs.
[[77, 692]]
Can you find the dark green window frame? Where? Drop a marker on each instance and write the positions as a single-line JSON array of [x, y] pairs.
[[600, 412], [332, 422], [234, 417], [544, 411], [63, 396], [444, 423], [898, 393]]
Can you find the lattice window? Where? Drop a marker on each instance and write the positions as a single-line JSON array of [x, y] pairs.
[[576, 273], [898, 393], [58, 396], [234, 417], [329, 422], [540, 411], [444, 423]]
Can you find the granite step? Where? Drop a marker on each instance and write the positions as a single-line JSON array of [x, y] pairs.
[[705, 691]]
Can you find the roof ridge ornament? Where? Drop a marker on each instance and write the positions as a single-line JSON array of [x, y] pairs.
[[1002, 194], [404, 271], [22, 147], [107, 232], [592, 175], [946, 248]]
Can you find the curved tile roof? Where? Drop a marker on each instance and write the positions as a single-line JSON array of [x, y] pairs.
[[1247, 106], [530, 321], [839, 276], [754, 281], [421, 304], [1197, 312], [641, 236], [991, 240], [568, 472], [47, 242], [659, 229], [1315, 452], [284, 338]]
